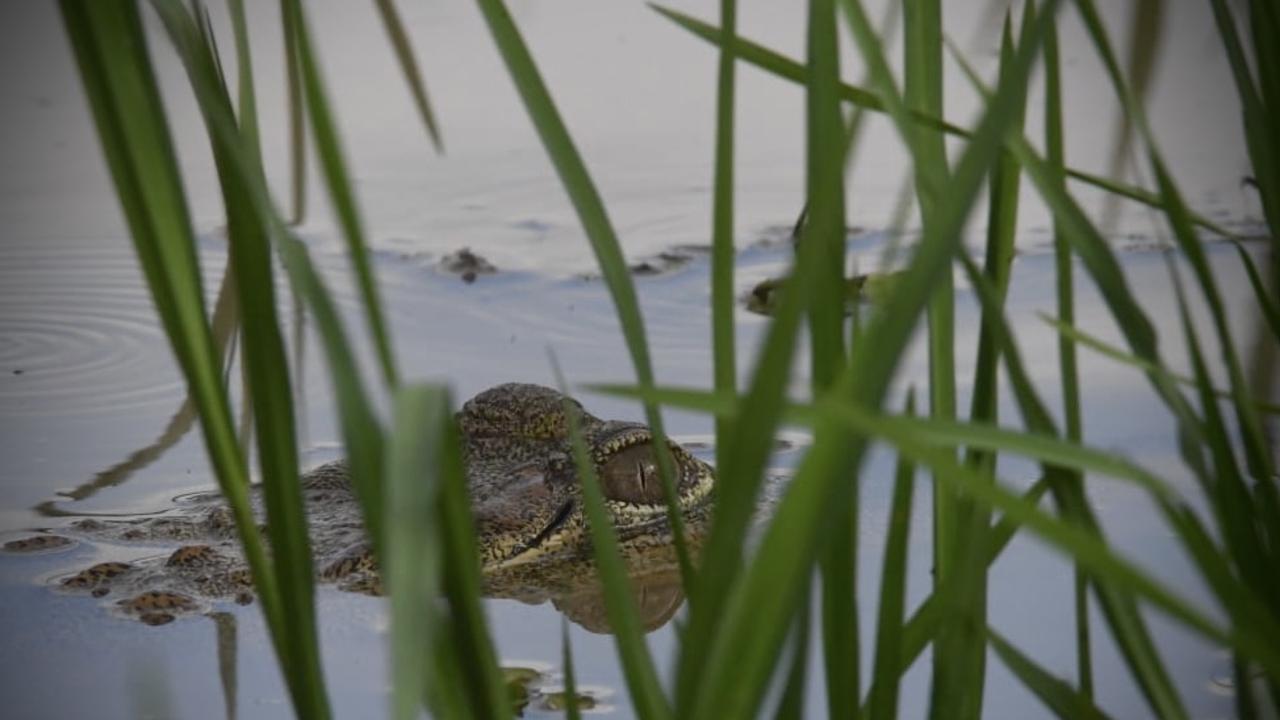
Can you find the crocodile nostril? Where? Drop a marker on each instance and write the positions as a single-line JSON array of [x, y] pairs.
[[631, 475]]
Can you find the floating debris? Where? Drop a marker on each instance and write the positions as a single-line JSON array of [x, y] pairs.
[[467, 265]]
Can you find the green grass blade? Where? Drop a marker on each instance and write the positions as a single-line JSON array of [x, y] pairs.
[[1092, 342], [1056, 694], [111, 50], [1259, 124], [297, 120], [471, 647], [883, 698], [247, 107], [1257, 453], [823, 234], [341, 192], [753, 625], [824, 230], [921, 627], [1118, 605], [724, 363], [249, 228], [642, 680], [1242, 529], [738, 483], [1077, 541], [599, 230], [1268, 307], [1064, 273], [784, 67], [413, 561], [361, 431], [791, 704], [409, 66], [571, 711]]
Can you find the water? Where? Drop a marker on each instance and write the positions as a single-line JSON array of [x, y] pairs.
[[89, 392]]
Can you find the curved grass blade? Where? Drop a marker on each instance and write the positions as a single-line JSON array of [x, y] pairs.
[[744, 652], [791, 704], [111, 48], [1093, 342], [823, 234], [1269, 309], [599, 229], [571, 711], [642, 680], [249, 228], [409, 66], [247, 108], [413, 561], [361, 431], [471, 648], [883, 697], [341, 193], [784, 67], [297, 120], [1257, 453], [724, 363], [1057, 695]]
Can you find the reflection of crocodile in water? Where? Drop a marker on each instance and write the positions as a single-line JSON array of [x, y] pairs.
[[526, 501]]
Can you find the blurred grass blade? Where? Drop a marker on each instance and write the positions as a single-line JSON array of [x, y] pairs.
[[1238, 515], [1256, 449], [471, 649], [1076, 541], [247, 106], [620, 608], [724, 363], [777, 64], [1259, 102], [823, 234], [110, 46], [744, 652], [571, 711], [361, 431], [414, 552], [341, 192], [297, 120], [1267, 305], [1118, 604], [1057, 695], [883, 702], [409, 66], [249, 228], [599, 230], [1077, 336], [791, 704]]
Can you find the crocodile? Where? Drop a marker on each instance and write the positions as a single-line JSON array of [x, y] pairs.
[[526, 502]]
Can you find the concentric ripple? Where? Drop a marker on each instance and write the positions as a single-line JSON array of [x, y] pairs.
[[78, 333]]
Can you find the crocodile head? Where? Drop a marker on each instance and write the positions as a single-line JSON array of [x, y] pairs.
[[526, 493]]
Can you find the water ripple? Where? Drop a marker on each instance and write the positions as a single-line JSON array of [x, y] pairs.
[[78, 333]]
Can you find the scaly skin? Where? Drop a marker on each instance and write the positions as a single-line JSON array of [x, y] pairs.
[[525, 498]]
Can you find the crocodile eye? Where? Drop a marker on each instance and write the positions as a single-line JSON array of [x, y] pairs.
[[631, 475]]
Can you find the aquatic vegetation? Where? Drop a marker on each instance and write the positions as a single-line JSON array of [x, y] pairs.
[[750, 618]]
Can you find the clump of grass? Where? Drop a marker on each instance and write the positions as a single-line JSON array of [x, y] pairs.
[[745, 609]]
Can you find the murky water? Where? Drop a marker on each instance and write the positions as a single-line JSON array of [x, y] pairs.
[[90, 400]]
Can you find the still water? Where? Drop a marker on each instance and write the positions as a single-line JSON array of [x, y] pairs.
[[89, 392]]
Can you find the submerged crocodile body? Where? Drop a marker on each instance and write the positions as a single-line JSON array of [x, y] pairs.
[[525, 499]]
